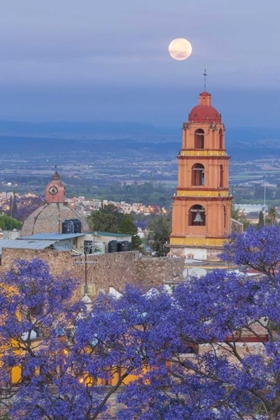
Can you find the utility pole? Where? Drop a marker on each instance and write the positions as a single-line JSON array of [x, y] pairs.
[[86, 270], [264, 193], [86, 250]]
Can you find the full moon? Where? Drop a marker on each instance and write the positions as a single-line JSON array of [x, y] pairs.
[[180, 49]]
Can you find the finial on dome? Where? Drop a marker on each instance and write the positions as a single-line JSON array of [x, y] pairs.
[[205, 75], [56, 176]]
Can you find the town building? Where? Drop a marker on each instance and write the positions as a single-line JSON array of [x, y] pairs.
[[50, 217], [201, 214], [100, 260]]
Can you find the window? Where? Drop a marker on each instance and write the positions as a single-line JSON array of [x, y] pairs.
[[199, 139], [197, 215], [221, 176], [198, 174], [221, 139]]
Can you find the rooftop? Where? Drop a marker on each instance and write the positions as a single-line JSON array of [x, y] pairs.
[[24, 244], [117, 235], [54, 236]]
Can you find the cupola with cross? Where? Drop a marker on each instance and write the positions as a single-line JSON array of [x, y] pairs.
[[202, 205]]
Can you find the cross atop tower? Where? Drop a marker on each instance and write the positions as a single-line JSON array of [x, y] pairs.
[[56, 175], [205, 75]]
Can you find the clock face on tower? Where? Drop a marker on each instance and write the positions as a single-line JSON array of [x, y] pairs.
[[53, 190]]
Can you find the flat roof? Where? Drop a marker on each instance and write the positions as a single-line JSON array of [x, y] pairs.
[[119, 235], [54, 236], [24, 244]]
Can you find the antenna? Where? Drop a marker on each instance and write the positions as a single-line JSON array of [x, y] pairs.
[[205, 75]]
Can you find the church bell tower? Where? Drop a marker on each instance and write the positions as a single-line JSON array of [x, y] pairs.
[[202, 206]]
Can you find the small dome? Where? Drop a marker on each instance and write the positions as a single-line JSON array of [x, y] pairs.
[[56, 176], [49, 218], [204, 93], [204, 111]]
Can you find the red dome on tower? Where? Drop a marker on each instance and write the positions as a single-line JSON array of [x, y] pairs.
[[204, 111]]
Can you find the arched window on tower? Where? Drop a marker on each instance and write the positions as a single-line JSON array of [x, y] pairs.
[[221, 139], [199, 139], [225, 217], [221, 176], [197, 174], [197, 215]]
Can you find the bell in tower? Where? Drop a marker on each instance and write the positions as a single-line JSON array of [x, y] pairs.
[[198, 218]]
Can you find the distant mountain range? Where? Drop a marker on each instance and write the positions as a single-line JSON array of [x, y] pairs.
[[76, 128], [253, 143], [242, 143]]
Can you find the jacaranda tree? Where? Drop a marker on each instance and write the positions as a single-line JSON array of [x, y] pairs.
[[209, 349], [35, 309], [61, 356]]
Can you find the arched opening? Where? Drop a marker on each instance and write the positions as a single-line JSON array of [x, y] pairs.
[[225, 217], [221, 139], [197, 215], [221, 176], [197, 174], [199, 139]]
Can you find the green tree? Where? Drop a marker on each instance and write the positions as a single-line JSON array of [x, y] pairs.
[[234, 212], [160, 229], [272, 216], [9, 223], [127, 226], [114, 211], [12, 206], [261, 219], [103, 222]]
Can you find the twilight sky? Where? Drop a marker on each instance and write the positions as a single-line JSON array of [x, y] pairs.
[[108, 60]]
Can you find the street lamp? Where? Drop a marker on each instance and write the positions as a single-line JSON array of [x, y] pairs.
[[86, 248]]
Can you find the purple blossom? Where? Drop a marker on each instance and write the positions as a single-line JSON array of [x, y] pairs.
[[210, 350]]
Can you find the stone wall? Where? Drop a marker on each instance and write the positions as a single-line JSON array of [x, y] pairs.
[[107, 270], [59, 261], [155, 271], [103, 271], [236, 226]]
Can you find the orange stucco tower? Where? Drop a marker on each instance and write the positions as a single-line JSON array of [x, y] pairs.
[[202, 205], [55, 190]]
